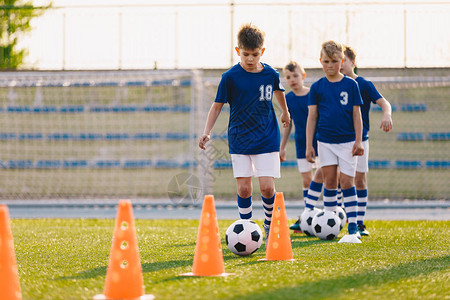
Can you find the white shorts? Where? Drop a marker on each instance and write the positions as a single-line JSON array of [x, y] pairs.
[[258, 165], [338, 154], [362, 164], [305, 166]]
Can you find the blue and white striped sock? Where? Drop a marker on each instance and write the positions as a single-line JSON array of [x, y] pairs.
[[339, 196], [245, 207], [351, 208], [315, 189], [362, 205], [268, 208], [329, 200], [305, 194]]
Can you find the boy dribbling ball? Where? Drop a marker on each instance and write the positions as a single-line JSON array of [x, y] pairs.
[[253, 132]]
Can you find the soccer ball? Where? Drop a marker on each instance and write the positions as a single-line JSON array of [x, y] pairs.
[[243, 237], [340, 212], [326, 225], [306, 220]]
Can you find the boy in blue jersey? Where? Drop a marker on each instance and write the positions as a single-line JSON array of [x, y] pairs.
[[334, 106], [369, 95], [297, 103], [253, 132]]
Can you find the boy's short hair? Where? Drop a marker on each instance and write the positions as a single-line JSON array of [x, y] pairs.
[[332, 48], [350, 53], [292, 65], [250, 37]]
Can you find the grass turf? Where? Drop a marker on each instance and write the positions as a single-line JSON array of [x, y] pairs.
[[67, 259]]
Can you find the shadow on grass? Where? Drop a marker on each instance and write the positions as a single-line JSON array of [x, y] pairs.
[[146, 268], [338, 287]]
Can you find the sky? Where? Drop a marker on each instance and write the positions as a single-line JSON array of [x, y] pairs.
[[133, 34]]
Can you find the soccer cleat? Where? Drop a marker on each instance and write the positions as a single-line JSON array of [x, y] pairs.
[[350, 239], [362, 230], [266, 231], [296, 226]]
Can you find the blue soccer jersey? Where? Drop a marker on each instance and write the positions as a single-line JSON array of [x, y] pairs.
[[369, 94], [253, 126], [298, 108], [335, 101]]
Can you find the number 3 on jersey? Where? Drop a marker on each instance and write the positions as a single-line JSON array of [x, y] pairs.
[[344, 98], [266, 92]]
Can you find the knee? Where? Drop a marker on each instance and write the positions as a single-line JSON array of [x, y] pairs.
[[245, 190], [346, 182], [267, 190], [360, 181]]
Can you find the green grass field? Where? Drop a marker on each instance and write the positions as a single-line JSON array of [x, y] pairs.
[[67, 259]]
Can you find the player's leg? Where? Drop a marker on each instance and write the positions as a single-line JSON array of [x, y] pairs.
[[362, 167], [328, 163], [267, 167], [347, 167], [314, 190], [243, 172]]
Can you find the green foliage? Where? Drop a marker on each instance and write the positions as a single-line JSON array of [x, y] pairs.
[[15, 18], [68, 258]]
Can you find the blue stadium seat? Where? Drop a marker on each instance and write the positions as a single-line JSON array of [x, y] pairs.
[[48, 164], [156, 108], [438, 136], [408, 164], [117, 136], [44, 109], [414, 107], [377, 108], [89, 136], [147, 136], [98, 109], [289, 164], [107, 163], [437, 164], [60, 136], [18, 109], [137, 163], [7, 136], [222, 164], [30, 136], [177, 135], [410, 136], [75, 163], [168, 164], [181, 108], [20, 164], [71, 109], [125, 108], [379, 164]]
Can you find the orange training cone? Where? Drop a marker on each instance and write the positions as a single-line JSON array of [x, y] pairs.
[[124, 274], [208, 258], [9, 276], [279, 243]]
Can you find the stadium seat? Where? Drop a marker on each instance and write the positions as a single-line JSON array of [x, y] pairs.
[[410, 136], [379, 164], [414, 107], [75, 163], [72, 109], [408, 164], [107, 163], [48, 164], [137, 163], [437, 164], [438, 136]]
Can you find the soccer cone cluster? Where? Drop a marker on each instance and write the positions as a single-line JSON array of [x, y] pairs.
[[124, 274], [9, 277]]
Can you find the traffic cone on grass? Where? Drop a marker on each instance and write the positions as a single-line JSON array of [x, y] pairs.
[[9, 276], [279, 243], [124, 274], [208, 257]]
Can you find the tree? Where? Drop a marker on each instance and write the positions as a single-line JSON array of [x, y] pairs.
[[15, 18]]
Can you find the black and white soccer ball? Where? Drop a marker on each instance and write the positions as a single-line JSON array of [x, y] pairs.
[[340, 212], [306, 220], [326, 225], [243, 237]]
